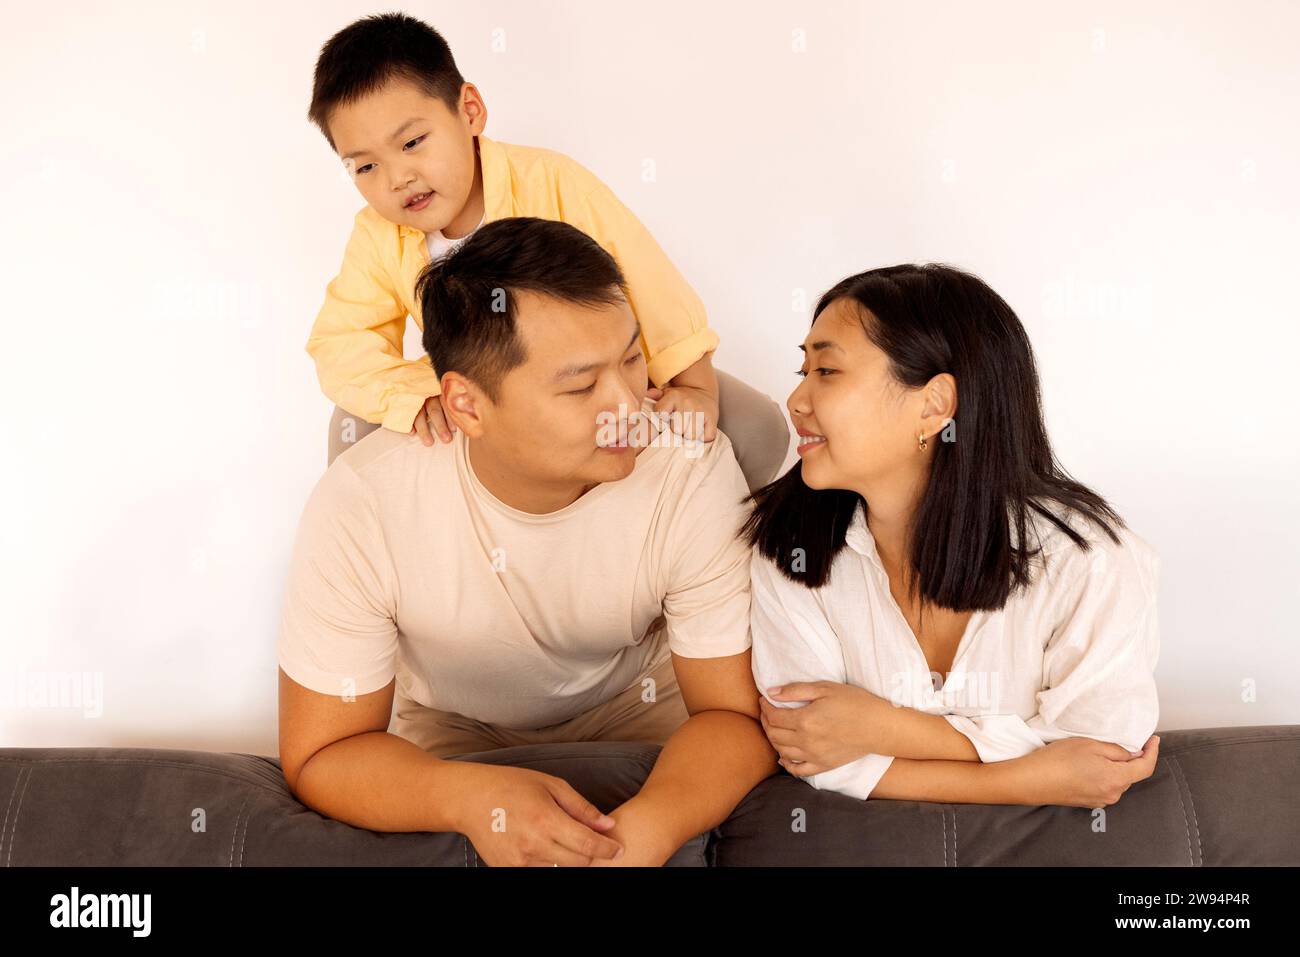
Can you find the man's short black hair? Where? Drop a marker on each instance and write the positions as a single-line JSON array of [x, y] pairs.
[[365, 55], [467, 298]]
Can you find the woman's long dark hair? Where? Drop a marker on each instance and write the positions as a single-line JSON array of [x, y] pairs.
[[931, 319]]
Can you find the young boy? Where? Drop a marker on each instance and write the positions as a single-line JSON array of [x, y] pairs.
[[391, 103]]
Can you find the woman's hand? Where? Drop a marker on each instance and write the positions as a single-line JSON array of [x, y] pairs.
[[1082, 772], [837, 726]]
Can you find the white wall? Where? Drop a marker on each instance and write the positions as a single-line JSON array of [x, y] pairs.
[[1123, 173]]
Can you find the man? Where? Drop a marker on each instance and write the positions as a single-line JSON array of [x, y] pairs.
[[557, 572]]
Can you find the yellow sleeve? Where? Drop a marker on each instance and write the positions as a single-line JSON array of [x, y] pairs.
[[356, 341], [675, 331]]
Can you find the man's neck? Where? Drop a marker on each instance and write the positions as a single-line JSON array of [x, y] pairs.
[[472, 213], [497, 477]]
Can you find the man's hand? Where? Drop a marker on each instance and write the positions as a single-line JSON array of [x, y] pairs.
[[640, 834], [1083, 772], [834, 728], [432, 418], [517, 817], [697, 410]]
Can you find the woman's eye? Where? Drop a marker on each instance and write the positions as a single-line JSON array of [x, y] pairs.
[[822, 369]]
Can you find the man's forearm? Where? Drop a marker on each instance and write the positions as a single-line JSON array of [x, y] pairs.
[[704, 770], [382, 782], [957, 782]]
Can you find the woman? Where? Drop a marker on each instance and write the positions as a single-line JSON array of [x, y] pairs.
[[906, 643]]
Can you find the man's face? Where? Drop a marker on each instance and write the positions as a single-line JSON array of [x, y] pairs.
[[550, 425], [399, 143]]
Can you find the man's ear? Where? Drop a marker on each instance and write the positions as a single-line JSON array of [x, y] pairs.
[[463, 404]]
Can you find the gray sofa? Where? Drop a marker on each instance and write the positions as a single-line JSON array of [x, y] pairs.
[[1219, 796]]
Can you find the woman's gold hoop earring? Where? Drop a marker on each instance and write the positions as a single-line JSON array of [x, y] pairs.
[[924, 445]]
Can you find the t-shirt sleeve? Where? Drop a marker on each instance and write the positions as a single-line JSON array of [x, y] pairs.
[[337, 632], [1098, 664], [706, 597], [793, 641]]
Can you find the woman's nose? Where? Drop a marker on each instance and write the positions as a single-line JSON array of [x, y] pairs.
[[796, 404]]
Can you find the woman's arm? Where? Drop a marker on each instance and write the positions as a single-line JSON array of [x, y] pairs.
[[951, 782], [1072, 772]]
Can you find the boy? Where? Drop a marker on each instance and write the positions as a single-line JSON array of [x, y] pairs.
[[391, 103]]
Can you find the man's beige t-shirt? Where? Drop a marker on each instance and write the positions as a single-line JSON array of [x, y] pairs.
[[405, 565]]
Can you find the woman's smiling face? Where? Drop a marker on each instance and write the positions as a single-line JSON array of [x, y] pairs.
[[867, 420]]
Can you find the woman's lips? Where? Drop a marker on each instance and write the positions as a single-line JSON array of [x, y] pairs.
[[808, 442], [422, 203]]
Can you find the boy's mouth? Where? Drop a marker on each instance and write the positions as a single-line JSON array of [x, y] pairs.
[[419, 201]]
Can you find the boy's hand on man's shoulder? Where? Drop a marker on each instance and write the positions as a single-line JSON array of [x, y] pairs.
[[697, 411], [431, 420]]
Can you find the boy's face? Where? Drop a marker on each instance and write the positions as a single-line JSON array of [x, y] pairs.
[[554, 418], [400, 142]]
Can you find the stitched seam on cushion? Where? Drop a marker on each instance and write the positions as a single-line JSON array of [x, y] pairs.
[[943, 819], [1184, 785], [954, 838], [238, 817], [13, 835], [25, 779], [4, 828], [243, 838], [1183, 807]]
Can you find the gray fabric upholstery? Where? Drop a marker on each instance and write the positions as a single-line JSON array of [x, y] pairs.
[[1219, 796]]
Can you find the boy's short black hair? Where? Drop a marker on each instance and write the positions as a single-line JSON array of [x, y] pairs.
[[467, 298], [367, 54]]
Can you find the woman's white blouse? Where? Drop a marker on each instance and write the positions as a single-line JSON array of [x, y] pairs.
[[1072, 654]]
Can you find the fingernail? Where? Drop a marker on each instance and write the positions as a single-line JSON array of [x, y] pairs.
[[618, 853]]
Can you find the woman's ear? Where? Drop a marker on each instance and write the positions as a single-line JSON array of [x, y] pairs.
[[940, 398]]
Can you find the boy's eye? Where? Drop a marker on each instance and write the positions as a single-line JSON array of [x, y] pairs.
[[418, 139]]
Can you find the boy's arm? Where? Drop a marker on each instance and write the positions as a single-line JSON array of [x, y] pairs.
[[699, 375], [356, 341], [674, 326]]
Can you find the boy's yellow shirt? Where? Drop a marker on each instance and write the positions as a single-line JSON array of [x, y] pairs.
[[356, 340]]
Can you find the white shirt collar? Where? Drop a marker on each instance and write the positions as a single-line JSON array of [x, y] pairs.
[[859, 537]]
